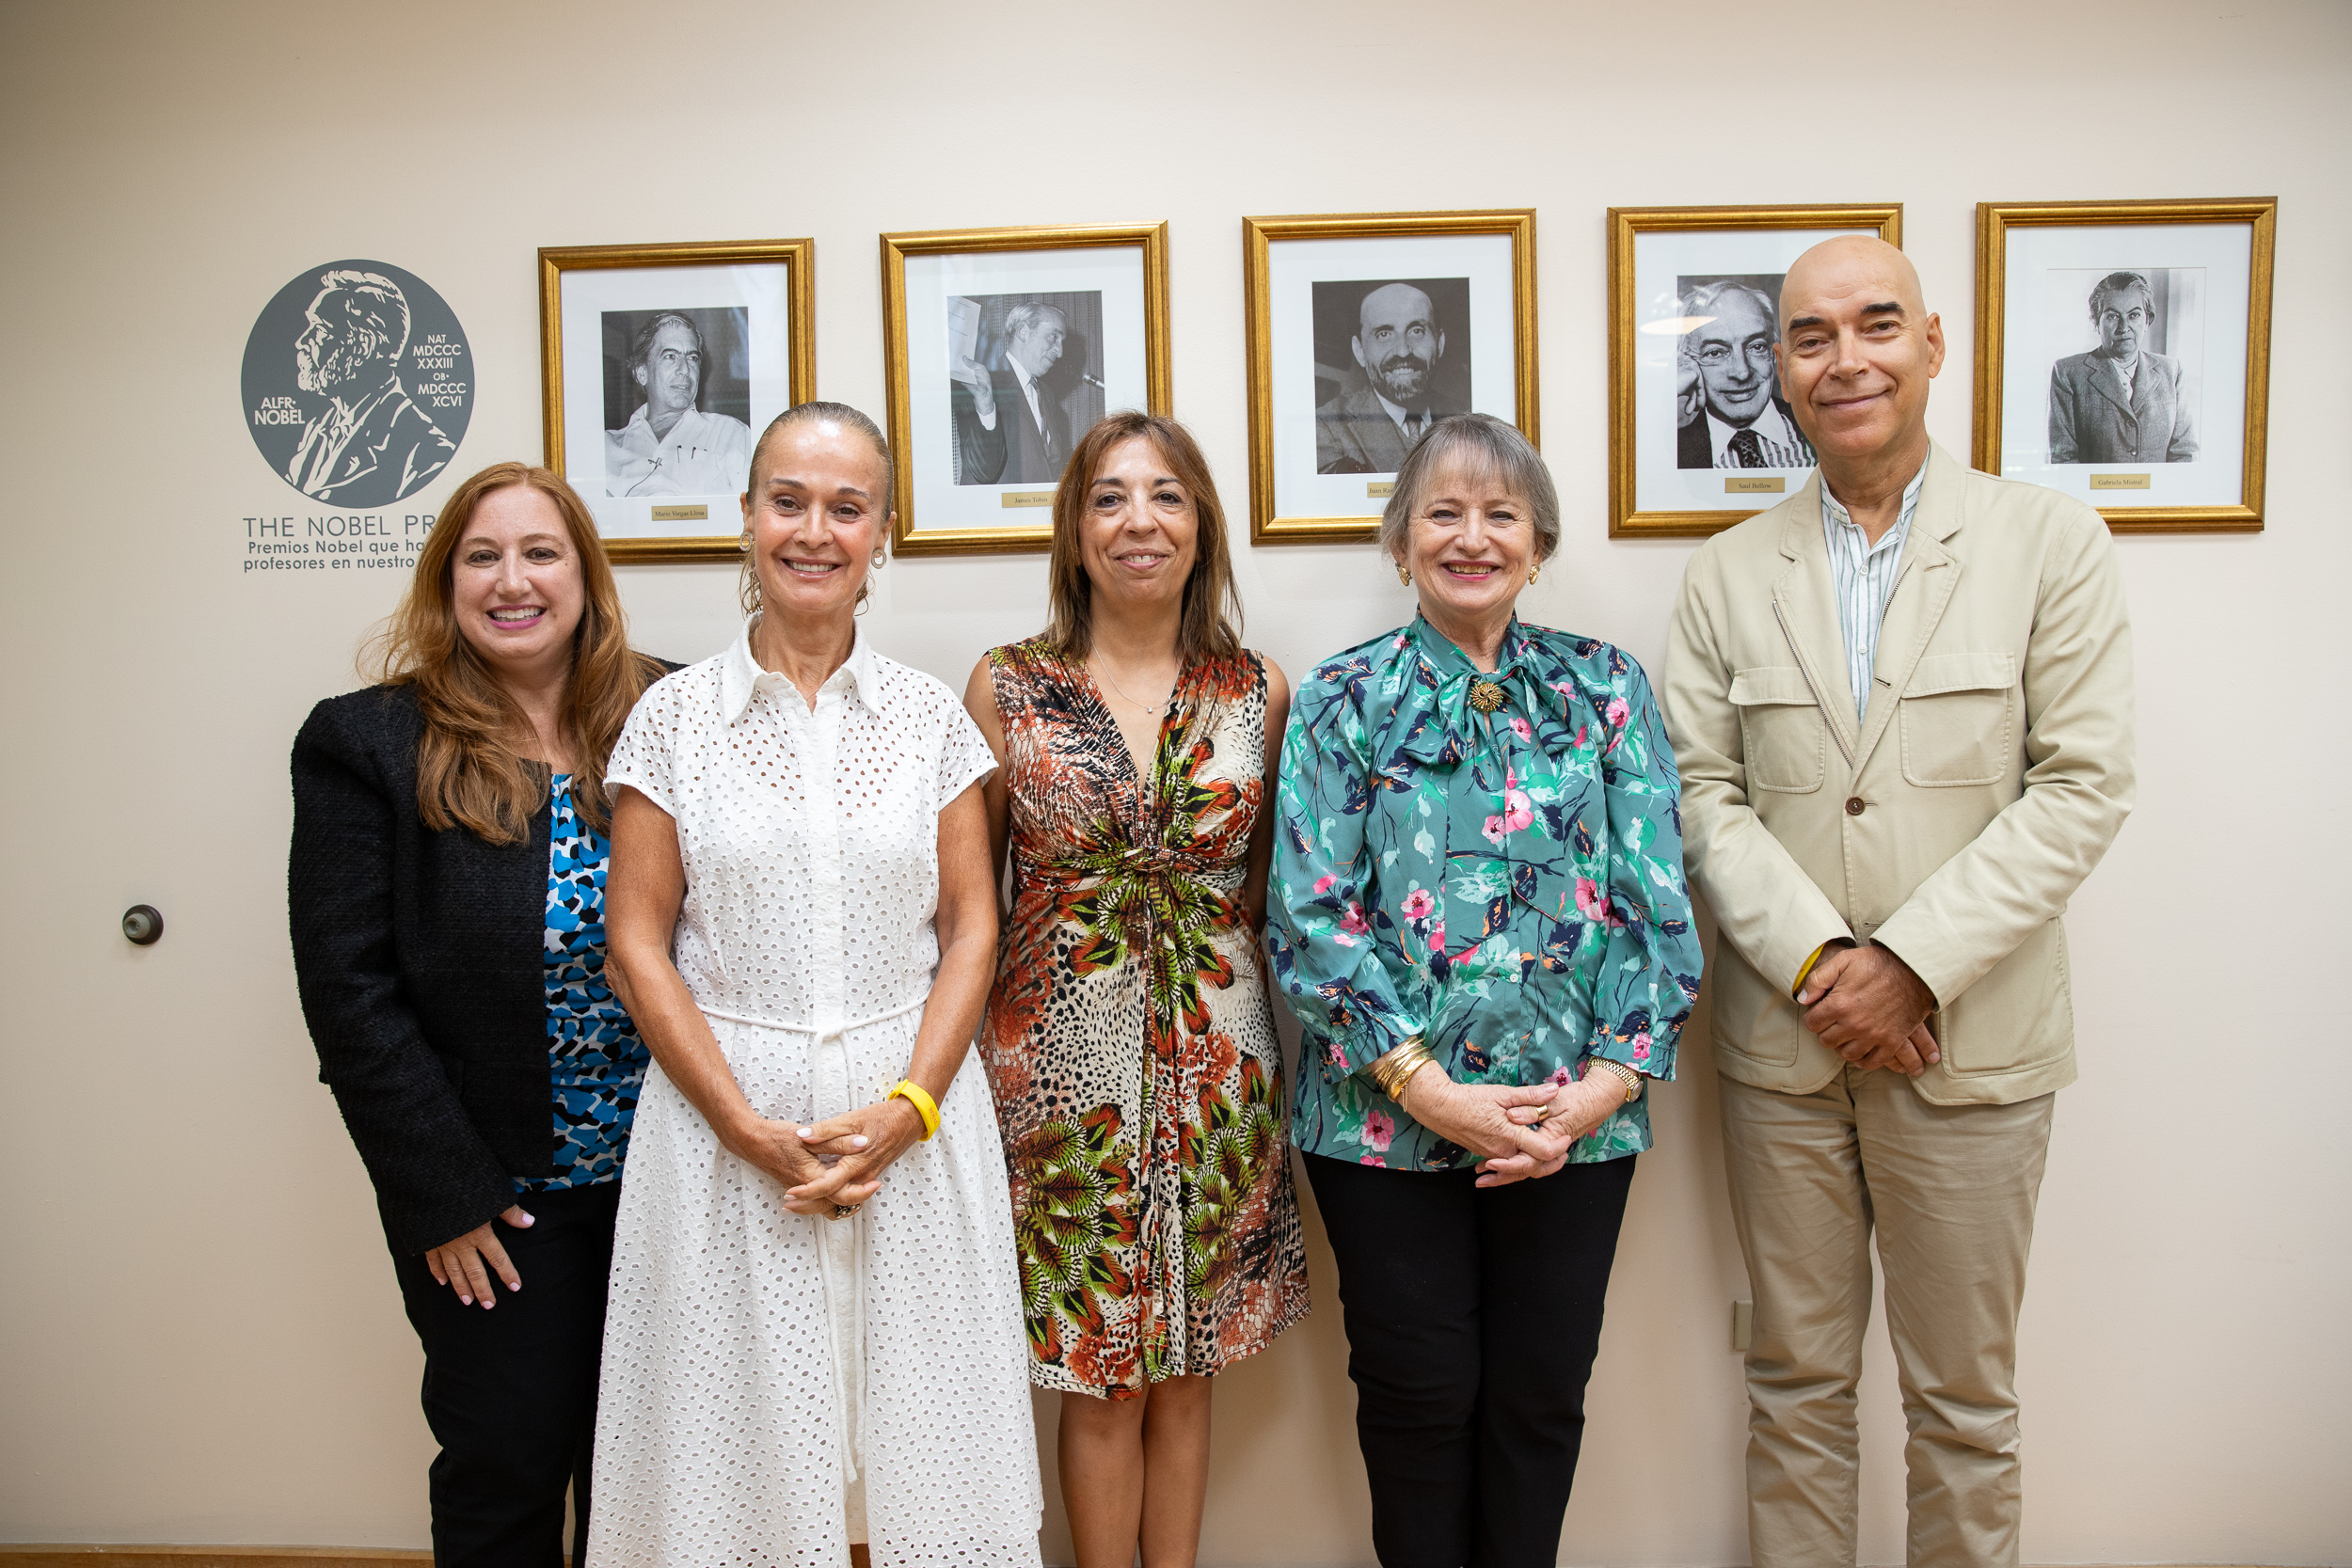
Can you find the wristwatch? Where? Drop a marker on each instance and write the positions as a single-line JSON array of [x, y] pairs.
[[1630, 1080]]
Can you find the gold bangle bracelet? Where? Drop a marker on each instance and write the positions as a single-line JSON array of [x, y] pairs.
[[1393, 1072]]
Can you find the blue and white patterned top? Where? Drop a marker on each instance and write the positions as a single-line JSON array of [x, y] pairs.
[[595, 1062]]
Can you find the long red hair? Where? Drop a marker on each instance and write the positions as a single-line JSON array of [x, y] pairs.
[[468, 772]]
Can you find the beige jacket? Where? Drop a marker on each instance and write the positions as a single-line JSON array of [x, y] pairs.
[[1952, 823]]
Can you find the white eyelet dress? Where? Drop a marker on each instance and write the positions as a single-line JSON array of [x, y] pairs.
[[775, 1386]]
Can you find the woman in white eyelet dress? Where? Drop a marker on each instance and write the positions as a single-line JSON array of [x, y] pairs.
[[814, 1335]]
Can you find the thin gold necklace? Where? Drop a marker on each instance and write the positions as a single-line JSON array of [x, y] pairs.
[[1105, 670]]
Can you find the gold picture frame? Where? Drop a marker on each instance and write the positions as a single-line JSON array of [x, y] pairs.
[[780, 380], [943, 509], [2122, 470], [1629, 446], [1273, 432]]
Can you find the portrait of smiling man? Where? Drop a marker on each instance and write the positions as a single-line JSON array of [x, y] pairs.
[[1901, 704], [1398, 346], [669, 446], [1728, 385]]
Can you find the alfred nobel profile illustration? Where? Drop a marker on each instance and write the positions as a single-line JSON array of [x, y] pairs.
[[370, 444]]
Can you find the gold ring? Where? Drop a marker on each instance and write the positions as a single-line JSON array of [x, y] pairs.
[[842, 1210]]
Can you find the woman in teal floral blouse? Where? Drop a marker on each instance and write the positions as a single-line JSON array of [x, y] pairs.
[[1477, 911]]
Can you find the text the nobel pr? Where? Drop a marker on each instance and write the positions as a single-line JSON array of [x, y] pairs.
[[335, 539]]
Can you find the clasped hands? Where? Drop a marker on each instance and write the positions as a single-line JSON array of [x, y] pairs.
[[1521, 1131], [828, 1165], [1869, 1007], [832, 1165]]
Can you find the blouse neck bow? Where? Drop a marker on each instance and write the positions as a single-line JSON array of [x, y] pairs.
[[1461, 706]]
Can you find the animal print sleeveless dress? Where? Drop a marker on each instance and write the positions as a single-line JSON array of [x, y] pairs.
[[1128, 1042]]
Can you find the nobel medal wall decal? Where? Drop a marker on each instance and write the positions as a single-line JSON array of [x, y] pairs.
[[357, 383]]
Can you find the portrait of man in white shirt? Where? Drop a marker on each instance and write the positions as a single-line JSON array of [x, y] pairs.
[[671, 446]]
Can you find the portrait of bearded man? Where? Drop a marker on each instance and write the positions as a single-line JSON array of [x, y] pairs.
[[370, 444], [1396, 394]]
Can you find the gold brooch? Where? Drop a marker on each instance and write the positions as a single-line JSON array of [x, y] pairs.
[[1485, 696]]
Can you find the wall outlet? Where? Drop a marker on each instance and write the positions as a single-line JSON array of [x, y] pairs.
[[1742, 1323]]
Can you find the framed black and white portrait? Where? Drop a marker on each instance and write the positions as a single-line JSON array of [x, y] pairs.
[[661, 364], [1005, 346], [2124, 353], [1365, 328], [1700, 436]]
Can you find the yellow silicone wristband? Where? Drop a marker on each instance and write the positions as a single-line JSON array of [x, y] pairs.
[[925, 1106], [1797, 984]]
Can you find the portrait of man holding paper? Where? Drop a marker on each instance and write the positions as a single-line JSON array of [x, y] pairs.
[[1024, 380]]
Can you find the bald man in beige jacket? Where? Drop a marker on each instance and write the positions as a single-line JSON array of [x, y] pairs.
[[1902, 703]]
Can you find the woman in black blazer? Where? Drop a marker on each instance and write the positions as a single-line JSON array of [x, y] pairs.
[[446, 889]]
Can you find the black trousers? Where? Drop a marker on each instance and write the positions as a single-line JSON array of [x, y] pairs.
[[511, 1393], [1472, 1318]]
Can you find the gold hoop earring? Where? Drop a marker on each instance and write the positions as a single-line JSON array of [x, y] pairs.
[[745, 544], [1403, 575]]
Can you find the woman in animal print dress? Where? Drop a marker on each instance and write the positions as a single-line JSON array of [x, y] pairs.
[[1128, 1038]]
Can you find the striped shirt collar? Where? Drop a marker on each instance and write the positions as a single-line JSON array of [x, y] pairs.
[[1864, 575]]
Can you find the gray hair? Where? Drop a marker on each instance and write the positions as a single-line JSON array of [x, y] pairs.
[[2119, 283], [372, 302], [642, 346], [1702, 301], [1485, 445], [1023, 316], [747, 587]]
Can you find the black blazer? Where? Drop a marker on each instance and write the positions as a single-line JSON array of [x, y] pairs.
[[418, 959]]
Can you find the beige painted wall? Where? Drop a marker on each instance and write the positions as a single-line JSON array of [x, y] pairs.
[[199, 1339]]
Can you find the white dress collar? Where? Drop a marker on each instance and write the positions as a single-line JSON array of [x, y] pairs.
[[739, 675]]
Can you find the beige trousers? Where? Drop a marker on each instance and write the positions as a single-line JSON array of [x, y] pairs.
[[1951, 1191]]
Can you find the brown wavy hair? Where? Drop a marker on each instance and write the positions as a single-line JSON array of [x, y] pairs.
[[1212, 618], [468, 772]]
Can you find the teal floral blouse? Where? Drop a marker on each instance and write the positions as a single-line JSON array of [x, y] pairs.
[[1503, 879]]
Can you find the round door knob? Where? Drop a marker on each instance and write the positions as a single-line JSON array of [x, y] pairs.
[[143, 924]]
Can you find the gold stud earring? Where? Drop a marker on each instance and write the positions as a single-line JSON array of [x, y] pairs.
[[1403, 575], [1531, 574]]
